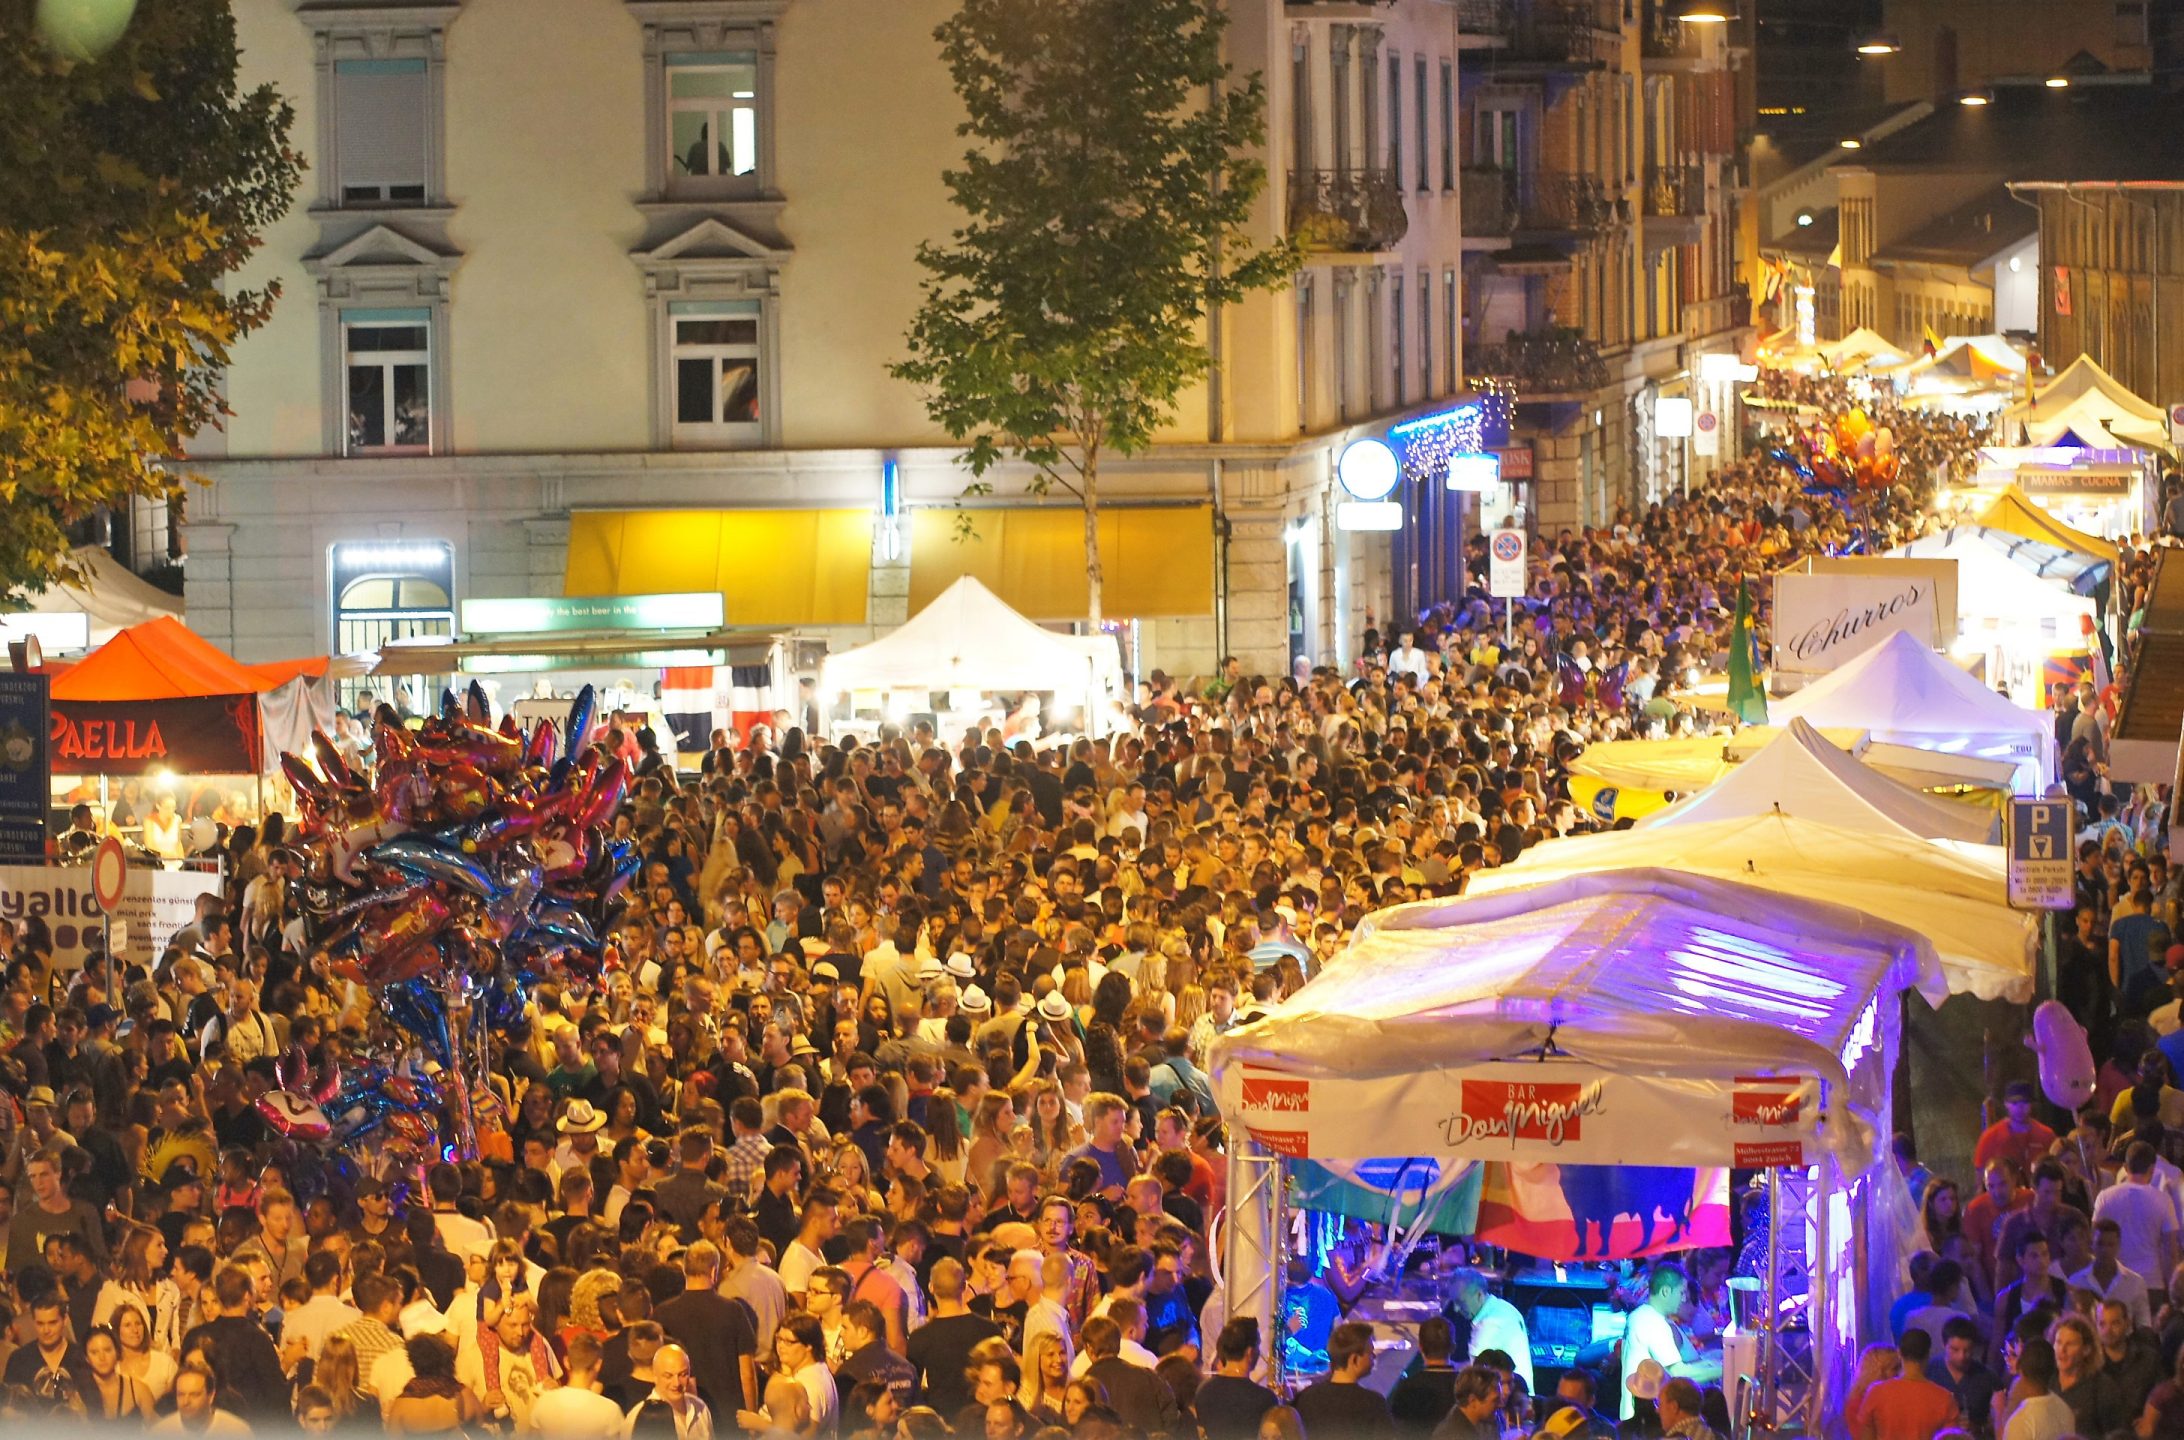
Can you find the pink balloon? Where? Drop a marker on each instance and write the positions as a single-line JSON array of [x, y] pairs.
[[292, 1116]]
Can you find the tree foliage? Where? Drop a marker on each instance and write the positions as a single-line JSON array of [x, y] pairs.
[[134, 183], [1106, 194]]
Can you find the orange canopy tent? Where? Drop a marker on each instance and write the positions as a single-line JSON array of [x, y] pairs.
[[159, 696]]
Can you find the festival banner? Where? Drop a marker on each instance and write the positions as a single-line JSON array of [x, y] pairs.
[[154, 904], [26, 779], [1821, 621], [1557, 1111], [211, 735], [1602, 1212]]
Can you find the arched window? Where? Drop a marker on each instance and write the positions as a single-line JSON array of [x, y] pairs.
[[387, 592]]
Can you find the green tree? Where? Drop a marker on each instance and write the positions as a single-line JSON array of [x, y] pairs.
[[1105, 193], [134, 183]]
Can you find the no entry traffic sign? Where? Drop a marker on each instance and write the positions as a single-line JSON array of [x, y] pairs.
[[109, 872], [1505, 570]]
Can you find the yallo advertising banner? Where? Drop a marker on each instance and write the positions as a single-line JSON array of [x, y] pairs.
[[154, 904], [1557, 1112], [1821, 621], [26, 777]]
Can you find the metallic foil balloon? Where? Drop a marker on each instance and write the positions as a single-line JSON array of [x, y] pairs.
[[418, 1008], [292, 1116], [582, 712], [423, 857]]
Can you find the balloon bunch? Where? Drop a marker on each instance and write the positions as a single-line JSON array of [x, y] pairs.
[[472, 863], [1833, 459], [1575, 684]]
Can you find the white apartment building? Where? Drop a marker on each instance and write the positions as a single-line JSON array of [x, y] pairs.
[[597, 297]]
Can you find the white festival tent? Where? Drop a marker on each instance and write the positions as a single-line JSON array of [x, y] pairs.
[[1691, 764], [2084, 392], [1950, 892], [106, 593], [1905, 694], [967, 638], [1802, 774], [1861, 348], [1636, 1018]]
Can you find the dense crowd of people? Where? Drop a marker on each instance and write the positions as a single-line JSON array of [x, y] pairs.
[[890, 1115]]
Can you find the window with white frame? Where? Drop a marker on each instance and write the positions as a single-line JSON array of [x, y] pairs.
[[387, 380], [712, 115], [716, 356], [381, 129]]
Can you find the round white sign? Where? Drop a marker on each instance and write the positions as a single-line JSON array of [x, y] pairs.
[[1368, 470]]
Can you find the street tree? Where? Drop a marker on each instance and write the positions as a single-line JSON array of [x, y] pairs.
[[1111, 174], [136, 180]]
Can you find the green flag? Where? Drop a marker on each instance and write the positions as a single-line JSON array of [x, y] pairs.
[[1746, 700]]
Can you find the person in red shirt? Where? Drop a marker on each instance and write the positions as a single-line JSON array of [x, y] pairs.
[[1909, 1407], [2016, 1140], [1985, 1212]]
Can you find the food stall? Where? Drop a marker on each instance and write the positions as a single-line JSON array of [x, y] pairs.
[[963, 659], [158, 729], [1644, 1018]]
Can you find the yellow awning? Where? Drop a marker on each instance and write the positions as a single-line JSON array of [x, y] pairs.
[[2015, 511], [772, 567], [1154, 561]]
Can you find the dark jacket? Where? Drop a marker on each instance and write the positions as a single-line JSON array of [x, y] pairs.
[[717, 1332], [1140, 1397]]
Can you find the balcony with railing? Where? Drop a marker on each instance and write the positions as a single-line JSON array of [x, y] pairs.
[[1547, 364], [1666, 43], [1675, 191], [1674, 201], [1541, 34], [1504, 203], [1347, 210]]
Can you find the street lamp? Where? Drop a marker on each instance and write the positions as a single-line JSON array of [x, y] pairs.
[[1704, 12], [1976, 98], [1880, 43]]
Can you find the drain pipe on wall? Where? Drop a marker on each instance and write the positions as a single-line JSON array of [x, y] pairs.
[[1220, 561]]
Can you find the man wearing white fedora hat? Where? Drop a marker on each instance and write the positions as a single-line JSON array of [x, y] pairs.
[[579, 1127]]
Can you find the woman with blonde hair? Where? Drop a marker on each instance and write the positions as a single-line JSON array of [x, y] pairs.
[[852, 1179], [1875, 1364], [1046, 1377], [945, 1148], [335, 1372], [1190, 1004], [989, 1151]]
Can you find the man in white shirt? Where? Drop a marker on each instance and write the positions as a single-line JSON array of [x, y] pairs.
[[2108, 1277], [2144, 1215], [1495, 1323], [1407, 659], [325, 1312], [576, 1410], [674, 1393], [1652, 1334]]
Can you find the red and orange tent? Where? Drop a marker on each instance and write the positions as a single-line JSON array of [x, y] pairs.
[[160, 696]]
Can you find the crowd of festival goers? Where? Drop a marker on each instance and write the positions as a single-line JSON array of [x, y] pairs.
[[890, 1114]]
